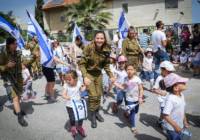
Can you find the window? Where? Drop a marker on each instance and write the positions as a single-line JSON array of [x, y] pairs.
[[125, 7], [171, 4], [62, 18]]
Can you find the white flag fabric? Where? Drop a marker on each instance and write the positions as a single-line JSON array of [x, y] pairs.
[[45, 47], [80, 109], [13, 31], [31, 30], [77, 32]]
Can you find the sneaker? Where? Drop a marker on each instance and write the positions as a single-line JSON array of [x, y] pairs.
[[134, 130], [46, 96], [81, 131], [52, 100], [8, 103], [73, 130]]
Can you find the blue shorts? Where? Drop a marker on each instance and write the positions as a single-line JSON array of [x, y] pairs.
[[147, 75]]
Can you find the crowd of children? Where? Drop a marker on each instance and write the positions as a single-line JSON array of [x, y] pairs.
[[129, 87]]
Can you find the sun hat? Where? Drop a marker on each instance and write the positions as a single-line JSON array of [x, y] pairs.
[[172, 79], [122, 59]]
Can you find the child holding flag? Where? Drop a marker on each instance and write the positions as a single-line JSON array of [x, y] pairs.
[[72, 90]]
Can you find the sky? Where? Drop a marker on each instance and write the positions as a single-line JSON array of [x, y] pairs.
[[19, 8]]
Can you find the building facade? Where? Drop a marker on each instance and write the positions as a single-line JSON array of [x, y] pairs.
[[139, 12]]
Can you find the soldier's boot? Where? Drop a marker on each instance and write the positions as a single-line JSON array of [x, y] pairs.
[[93, 119], [21, 119], [99, 117]]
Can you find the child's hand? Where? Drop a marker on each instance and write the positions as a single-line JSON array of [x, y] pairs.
[[186, 125], [178, 129], [83, 88]]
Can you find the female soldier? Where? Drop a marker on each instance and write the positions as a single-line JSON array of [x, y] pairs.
[[95, 58]]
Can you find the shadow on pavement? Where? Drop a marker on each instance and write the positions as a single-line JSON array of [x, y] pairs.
[[27, 107], [3, 99], [193, 120], [145, 137], [150, 121]]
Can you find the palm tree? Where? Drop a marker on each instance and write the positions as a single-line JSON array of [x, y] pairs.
[[88, 15]]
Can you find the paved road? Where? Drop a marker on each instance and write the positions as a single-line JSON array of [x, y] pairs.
[[49, 121]]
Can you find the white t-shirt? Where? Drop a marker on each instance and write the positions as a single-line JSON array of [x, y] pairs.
[[147, 64], [161, 99], [26, 74], [132, 90], [58, 52], [175, 108], [157, 37], [73, 92], [120, 76], [183, 59]]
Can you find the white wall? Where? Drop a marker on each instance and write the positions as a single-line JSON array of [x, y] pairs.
[[142, 12]]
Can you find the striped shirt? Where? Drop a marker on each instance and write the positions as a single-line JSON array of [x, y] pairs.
[[143, 40]]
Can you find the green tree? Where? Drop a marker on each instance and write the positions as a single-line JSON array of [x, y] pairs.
[[88, 15], [8, 17], [39, 13]]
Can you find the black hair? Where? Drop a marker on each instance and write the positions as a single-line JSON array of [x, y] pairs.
[[145, 30], [10, 40], [159, 24], [78, 38], [73, 73], [195, 26]]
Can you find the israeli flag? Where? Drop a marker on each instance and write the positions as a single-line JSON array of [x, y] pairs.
[[46, 51], [31, 30], [80, 109], [130, 107], [77, 32], [13, 31], [123, 26]]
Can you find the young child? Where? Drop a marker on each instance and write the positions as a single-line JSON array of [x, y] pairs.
[[147, 72], [195, 62], [174, 110], [27, 82], [159, 87], [134, 93], [106, 82], [72, 90], [120, 75], [183, 60]]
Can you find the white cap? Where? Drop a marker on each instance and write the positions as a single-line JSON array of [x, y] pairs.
[[167, 65], [148, 49]]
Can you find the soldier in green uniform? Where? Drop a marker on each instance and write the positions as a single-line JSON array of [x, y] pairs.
[[95, 58], [11, 72], [35, 52], [131, 49]]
